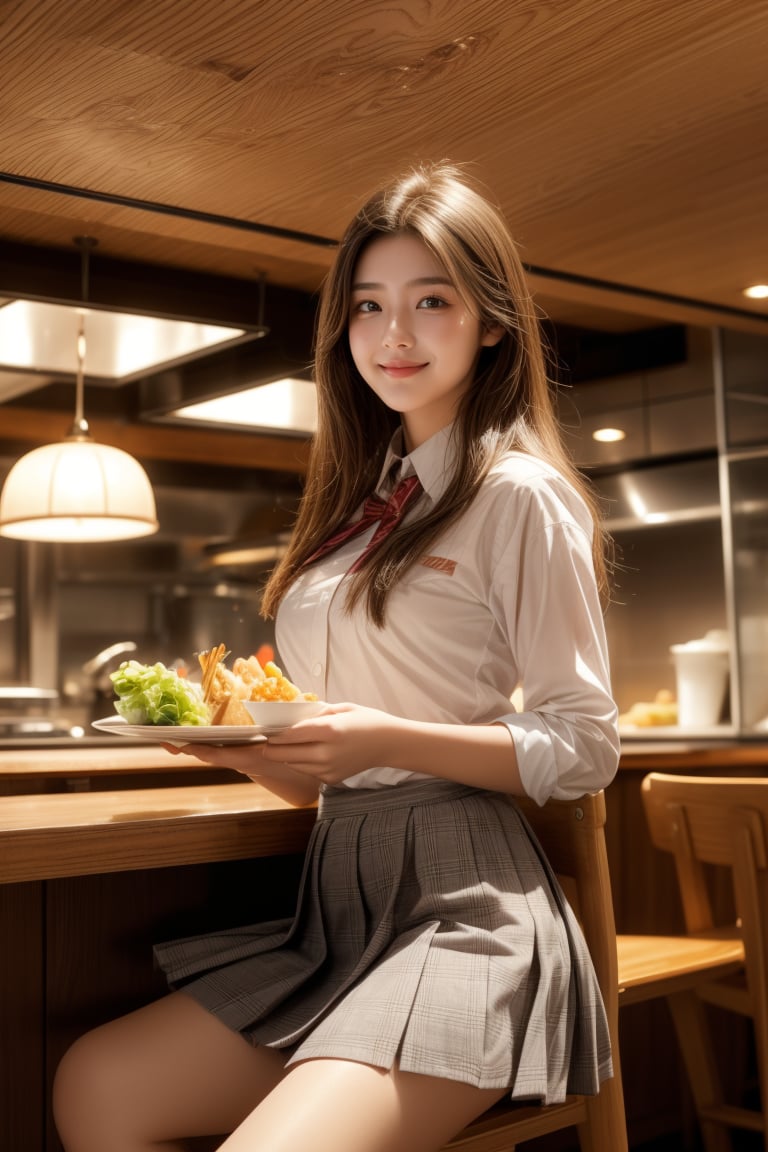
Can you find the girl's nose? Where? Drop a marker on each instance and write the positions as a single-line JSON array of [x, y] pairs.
[[397, 334]]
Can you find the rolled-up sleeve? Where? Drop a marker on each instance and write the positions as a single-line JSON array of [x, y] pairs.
[[566, 738]]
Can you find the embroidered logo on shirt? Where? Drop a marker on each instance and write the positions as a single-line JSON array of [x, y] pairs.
[[439, 563]]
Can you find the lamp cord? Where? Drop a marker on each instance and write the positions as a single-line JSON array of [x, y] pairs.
[[80, 427], [81, 424]]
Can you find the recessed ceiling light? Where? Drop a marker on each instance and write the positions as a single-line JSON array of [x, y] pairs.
[[40, 337], [757, 291], [289, 405], [609, 435]]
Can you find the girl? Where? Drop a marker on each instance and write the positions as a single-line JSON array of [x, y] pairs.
[[433, 964]]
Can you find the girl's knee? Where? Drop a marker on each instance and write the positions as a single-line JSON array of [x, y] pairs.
[[81, 1089], [78, 1063]]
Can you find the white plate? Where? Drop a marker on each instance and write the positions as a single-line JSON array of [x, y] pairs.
[[182, 734]]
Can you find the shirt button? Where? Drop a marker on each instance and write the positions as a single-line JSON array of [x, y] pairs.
[[317, 669]]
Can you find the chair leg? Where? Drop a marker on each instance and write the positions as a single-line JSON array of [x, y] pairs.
[[695, 1041], [606, 1129], [761, 1046]]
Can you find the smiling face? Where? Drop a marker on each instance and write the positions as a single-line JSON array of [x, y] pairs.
[[412, 337]]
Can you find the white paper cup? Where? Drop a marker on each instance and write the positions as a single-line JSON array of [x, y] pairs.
[[702, 680]]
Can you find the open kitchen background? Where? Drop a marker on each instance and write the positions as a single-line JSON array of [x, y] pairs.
[[685, 494]]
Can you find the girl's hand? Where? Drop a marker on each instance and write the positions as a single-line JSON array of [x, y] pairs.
[[345, 739], [249, 759], [340, 742]]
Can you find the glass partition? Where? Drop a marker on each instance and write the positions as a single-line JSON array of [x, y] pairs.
[[744, 471]]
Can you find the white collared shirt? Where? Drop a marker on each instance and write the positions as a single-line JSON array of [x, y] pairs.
[[505, 599]]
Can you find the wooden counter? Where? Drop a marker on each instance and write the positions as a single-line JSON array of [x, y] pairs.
[[116, 759], [694, 756], [45, 838], [90, 879], [45, 769], [111, 759]]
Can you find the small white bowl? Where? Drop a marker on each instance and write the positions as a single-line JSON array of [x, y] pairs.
[[276, 714]]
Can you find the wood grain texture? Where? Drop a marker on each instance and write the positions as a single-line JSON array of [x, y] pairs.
[[655, 966], [47, 763], [623, 140], [127, 758], [22, 1016], [150, 442], [45, 837], [752, 756]]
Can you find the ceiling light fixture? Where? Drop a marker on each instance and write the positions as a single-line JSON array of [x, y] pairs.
[[287, 405], [609, 435], [77, 490], [757, 291], [122, 346]]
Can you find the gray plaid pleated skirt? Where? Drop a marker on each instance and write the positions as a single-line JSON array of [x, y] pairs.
[[429, 931]]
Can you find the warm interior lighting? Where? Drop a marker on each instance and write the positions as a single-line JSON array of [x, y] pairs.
[[757, 291], [609, 435], [77, 490], [288, 405], [245, 555], [37, 337]]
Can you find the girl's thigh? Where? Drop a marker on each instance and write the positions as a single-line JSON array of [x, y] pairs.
[[166, 1071], [343, 1106]]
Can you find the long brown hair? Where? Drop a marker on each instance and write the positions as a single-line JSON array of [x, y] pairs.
[[510, 404]]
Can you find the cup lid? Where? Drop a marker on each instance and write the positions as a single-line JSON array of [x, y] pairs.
[[716, 640]]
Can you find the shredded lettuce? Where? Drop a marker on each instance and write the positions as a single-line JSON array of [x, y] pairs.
[[154, 694]]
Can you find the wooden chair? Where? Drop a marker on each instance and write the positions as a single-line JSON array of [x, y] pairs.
[[572, 834], [705, 821]]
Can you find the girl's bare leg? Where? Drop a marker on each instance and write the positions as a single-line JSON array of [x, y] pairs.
[[171, 1070], [342, 1106], [165, 1072]]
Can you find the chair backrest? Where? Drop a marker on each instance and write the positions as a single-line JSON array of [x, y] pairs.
[[720, 820], [723, 821], [572, 834]]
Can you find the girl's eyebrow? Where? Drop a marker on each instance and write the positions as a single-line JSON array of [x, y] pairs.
[[369, 286]]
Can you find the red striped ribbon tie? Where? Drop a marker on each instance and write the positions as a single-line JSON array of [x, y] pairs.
[[389, 513]]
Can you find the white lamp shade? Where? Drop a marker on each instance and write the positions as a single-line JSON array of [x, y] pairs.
[[77, 491]]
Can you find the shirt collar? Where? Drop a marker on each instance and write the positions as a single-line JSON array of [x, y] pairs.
[[433, 462]]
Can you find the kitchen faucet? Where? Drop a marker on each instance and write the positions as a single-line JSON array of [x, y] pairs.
[[97, 664], [100, 690]]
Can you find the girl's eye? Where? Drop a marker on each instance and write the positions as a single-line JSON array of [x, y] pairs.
[[365, 306], [432, 302]]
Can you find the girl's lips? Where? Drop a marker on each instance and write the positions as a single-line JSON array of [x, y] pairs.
[[400, 369]]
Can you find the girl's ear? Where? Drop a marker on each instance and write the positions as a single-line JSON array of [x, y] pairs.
[[491, 335]]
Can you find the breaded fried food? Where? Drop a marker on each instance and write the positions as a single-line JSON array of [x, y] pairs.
[[222, 690], [225, 689], [275, 686]]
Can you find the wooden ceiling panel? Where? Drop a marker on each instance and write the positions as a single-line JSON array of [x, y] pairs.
[[625, 141], [52, 220]]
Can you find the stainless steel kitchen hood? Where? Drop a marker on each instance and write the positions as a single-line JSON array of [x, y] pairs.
[[650, 496]]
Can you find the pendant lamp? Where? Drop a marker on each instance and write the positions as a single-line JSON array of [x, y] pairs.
[[77, 490]]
